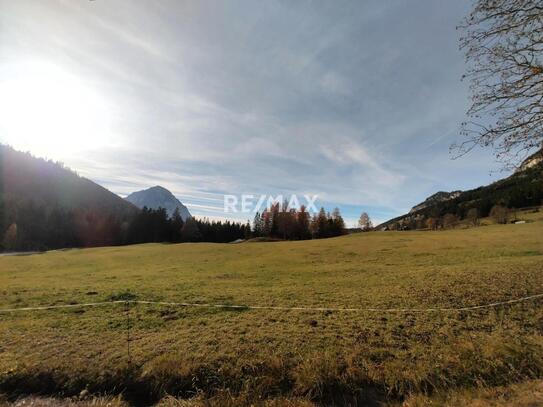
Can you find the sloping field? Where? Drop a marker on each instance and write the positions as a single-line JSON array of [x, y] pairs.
[[246, 355]]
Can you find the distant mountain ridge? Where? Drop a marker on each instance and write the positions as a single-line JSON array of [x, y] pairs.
[[158, 197], [523, 188]]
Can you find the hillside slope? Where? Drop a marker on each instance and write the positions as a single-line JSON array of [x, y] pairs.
[[39, 198], [158, 197], [524, 188]]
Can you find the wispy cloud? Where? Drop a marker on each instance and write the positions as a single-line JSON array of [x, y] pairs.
[[354, 101]]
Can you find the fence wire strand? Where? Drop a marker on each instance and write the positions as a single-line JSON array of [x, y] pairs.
[[273, 307]]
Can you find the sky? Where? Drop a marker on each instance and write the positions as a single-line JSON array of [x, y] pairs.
[[356, 102]]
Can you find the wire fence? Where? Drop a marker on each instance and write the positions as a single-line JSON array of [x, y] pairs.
[[277, 308], [129, 302]]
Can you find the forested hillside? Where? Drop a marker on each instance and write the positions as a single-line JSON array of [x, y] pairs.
[[45, 205], [522, 189]]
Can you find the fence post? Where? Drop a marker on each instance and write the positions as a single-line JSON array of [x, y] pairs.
[[127, 307]]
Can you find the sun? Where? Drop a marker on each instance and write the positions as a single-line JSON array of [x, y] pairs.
[[50, 112]]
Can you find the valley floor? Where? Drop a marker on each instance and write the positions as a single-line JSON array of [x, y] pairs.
[[346, 358]]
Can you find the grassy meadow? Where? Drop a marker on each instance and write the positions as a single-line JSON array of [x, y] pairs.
[[279, 357]]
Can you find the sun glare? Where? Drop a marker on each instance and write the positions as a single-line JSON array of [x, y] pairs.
[[50, 112]]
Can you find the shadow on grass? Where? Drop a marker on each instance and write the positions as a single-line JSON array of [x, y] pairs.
[[123, 296], [362, 377]]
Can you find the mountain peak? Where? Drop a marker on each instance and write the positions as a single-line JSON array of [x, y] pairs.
[[158, 197], [158, 188]]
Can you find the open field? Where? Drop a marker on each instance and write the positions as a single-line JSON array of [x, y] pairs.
[[250, 355]]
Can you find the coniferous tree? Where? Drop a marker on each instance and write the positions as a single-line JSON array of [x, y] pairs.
[[258, 225], [338, 224], [313, 226], [274, 220], [321, 227], [266, 223], [247, 232], [190, 231], [176, 225], [303, 222]]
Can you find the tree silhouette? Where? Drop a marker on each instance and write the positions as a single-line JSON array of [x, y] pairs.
[[503, 42]]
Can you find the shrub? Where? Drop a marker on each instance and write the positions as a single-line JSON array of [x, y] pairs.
[[449, 220], [499, 213]]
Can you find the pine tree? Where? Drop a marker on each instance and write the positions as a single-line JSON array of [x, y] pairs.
[[258, 225], [313, 226], [266, 223], [338, 224], [176, 225], [190, 231], [321, 227], [303, 223], [247, 234], [274, 220]]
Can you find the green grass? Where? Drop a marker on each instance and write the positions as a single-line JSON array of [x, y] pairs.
[[254, 354]]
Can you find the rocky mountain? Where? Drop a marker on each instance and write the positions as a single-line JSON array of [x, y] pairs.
[[158, 197], [523, 188], [532, 161], [440, 196]]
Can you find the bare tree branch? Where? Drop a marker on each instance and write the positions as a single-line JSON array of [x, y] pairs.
[[503, 44]]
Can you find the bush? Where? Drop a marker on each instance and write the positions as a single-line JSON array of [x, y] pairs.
[[499, 213], [449, 220]]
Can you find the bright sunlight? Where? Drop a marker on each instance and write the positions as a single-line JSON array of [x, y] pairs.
[[51, 112]]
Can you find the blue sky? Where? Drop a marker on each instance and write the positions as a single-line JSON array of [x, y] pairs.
[[355, 101]]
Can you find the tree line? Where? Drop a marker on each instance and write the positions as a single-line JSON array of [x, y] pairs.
[[31, 226], [154, 225], [281, 222], [27, 225], [498, 213]]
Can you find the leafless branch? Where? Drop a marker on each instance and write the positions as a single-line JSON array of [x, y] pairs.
[[503, 44]]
